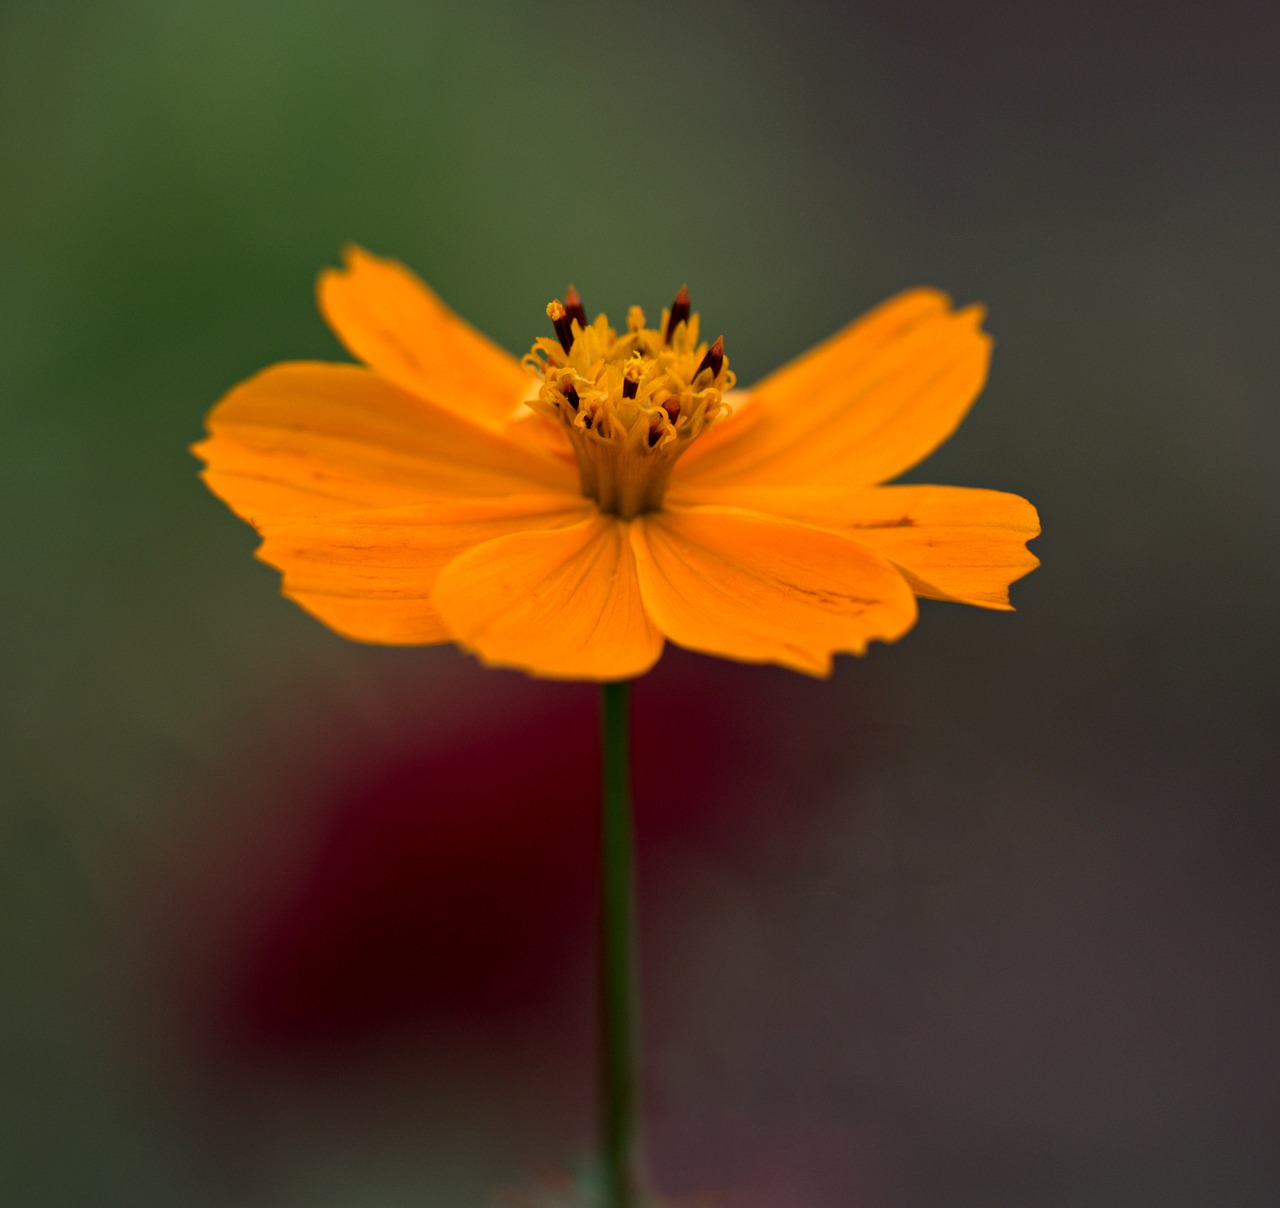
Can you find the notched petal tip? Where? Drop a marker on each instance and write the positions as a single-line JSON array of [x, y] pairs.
[[353, 257], [962, 544], [353, 253]]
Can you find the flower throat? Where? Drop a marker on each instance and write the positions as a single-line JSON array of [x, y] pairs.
[[632, 403]]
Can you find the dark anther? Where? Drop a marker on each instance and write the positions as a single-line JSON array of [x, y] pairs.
[[560, 321], [572, 396], [573, 308], [672, 408], [713, 360], [679, 313], [632, 372], [655, 433]]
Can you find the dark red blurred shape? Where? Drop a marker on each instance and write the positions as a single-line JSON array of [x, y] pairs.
[[454, 878], [444, 879]]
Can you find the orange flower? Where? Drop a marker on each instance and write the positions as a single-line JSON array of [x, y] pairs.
[[569, 513]]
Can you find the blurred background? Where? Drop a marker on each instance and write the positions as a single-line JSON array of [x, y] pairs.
[[988, 918]]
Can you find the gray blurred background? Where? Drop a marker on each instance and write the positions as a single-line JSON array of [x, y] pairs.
[[988, 918]]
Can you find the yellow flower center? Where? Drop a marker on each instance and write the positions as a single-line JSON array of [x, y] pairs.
[[632, 403]]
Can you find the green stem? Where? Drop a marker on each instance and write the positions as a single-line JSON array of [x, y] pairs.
[[619, 1090]]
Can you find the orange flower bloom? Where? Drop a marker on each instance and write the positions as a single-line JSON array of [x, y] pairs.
[[569, 513]]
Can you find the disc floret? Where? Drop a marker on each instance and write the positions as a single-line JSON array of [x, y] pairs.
[[629, 403]]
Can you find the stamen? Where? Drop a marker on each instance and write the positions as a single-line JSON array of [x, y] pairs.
[[713, 360], [631, 375], [560, 321], [680, 310], [573, 307], [629, 403]]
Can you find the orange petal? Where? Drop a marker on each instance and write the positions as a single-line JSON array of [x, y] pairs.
[[563, 603], [863, 406], [764, 590], [304, 439], [368, 575], [389, 319], [952, 543]]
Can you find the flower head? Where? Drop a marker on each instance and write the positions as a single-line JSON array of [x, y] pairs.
[[569, 513], [629, 404]]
